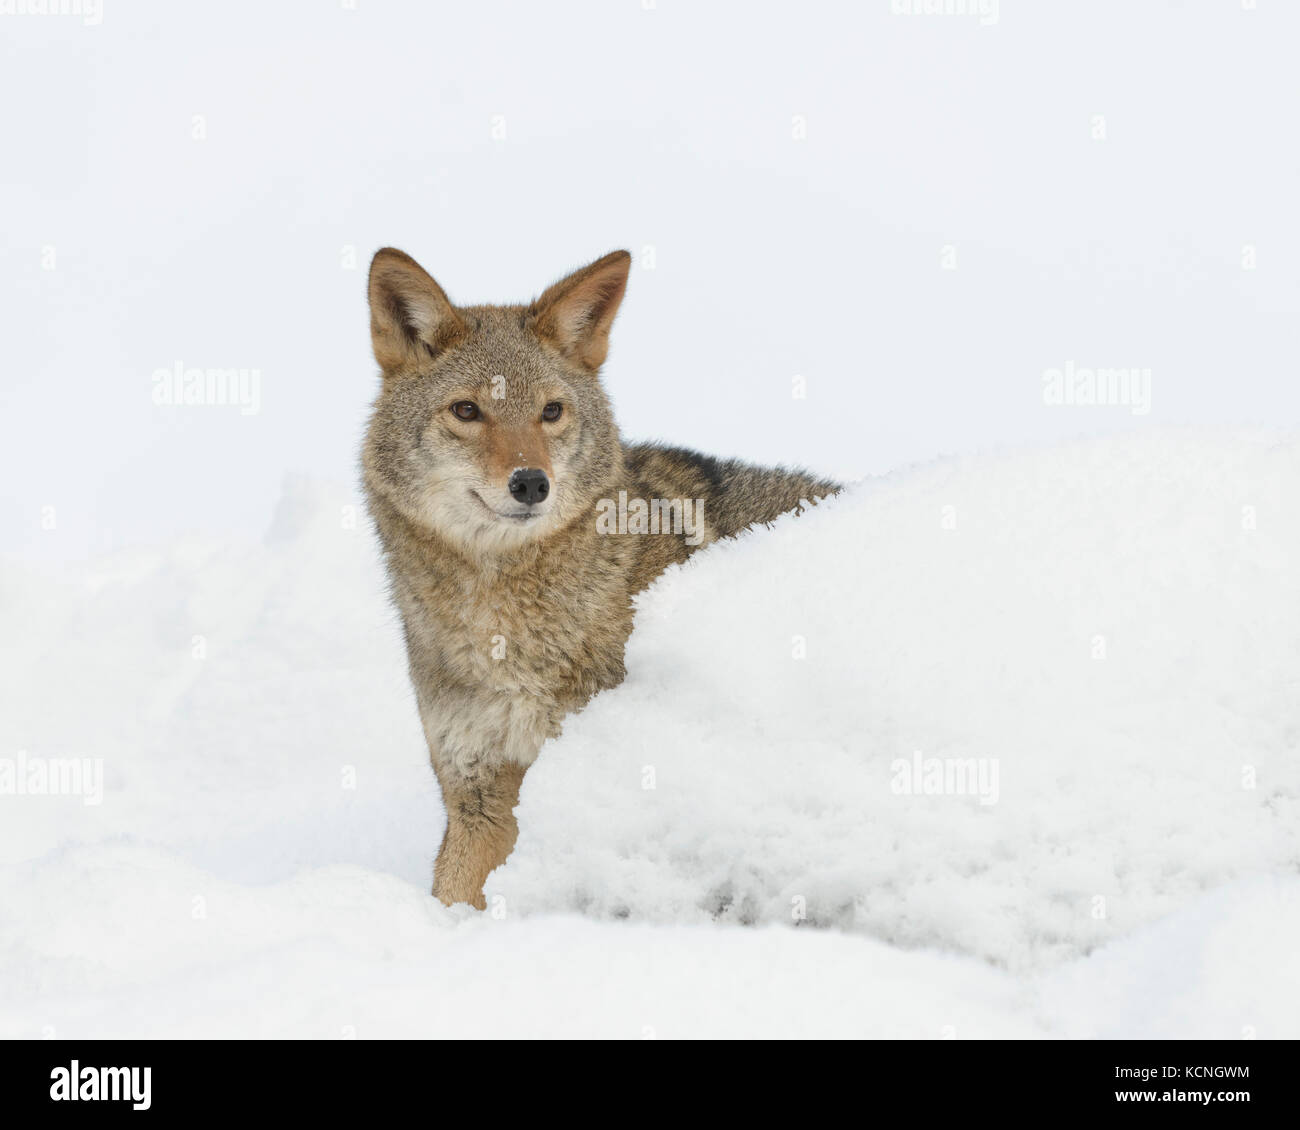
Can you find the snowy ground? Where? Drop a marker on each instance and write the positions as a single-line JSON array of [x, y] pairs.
[[1108, 630]]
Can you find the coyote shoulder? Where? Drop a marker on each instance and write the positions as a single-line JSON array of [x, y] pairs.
[[517, 526]]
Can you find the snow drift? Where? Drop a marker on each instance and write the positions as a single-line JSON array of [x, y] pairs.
[[1109, 632], [1091, 652]]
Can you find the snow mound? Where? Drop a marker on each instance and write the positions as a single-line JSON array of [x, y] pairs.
[[1114, 623], [130, 942], [1094, 649]]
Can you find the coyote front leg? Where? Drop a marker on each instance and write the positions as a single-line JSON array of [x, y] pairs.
[[481, 830]]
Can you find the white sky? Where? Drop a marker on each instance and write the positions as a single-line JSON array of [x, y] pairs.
[[668, 128]]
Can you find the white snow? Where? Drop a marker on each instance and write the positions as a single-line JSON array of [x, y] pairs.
[[1114, 622]]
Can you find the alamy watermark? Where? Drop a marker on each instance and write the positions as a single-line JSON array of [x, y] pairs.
[[75, 1083], [90, 11], [1075, 385], [986, 10], [53, 776], [945, 776], [651, 516], [181, 386]]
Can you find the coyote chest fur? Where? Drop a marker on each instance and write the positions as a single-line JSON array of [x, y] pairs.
[[500, 654], [493, 469]]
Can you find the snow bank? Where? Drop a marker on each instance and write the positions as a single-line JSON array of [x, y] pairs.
[[111, 943], [1113, 623], [1111, 628]]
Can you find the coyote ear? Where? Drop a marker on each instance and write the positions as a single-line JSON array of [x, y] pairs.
[[411, 319], [576, 313]]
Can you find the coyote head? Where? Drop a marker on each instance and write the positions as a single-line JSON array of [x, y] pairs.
[[491, 427]]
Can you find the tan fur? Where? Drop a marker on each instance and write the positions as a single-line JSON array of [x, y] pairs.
[[513, 622], [508, 448], [481, 831], [575, 315]]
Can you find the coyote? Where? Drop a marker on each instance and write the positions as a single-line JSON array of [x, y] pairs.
[[492, 465]]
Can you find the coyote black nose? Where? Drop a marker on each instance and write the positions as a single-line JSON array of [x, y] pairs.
[[529, 486]]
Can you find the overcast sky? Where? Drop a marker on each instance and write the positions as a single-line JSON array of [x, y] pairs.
[[914, 219]]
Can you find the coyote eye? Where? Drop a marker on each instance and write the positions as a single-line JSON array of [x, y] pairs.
[[465, 410], [552, 411]]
